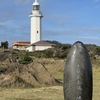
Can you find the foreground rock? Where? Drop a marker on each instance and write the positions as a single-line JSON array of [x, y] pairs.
[[33, 75]]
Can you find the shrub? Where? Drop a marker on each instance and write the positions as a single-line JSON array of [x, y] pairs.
[[49, 54], [26, 60], [97, 50]]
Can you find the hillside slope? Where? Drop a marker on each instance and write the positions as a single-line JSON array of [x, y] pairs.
[[32, 75]]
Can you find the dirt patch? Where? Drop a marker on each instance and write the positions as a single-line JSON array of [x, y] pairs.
[[32, 75], [53, 65], [57, 66]]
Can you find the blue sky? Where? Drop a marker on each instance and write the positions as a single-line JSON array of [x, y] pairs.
[[66, 21]]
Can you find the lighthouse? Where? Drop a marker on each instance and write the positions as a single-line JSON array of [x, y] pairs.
[[36, 42], [35, 16]]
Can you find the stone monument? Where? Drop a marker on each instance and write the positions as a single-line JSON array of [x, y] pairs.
[[78, 74]]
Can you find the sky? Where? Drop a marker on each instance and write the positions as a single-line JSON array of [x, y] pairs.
[[66, 21]]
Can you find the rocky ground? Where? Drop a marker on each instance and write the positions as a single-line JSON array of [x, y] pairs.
[[41, 72], [36, 74]]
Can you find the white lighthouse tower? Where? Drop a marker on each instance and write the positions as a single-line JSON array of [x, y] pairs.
[[36, 15]]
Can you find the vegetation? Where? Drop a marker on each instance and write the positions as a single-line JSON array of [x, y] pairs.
[[97, 50], [26, 60], [4, 45]]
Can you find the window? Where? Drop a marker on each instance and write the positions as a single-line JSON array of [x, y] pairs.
[[36, 7]]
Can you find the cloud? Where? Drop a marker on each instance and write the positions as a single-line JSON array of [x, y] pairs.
[[12, 38], [91, 30], [89, 37], [10, 31], [71, 31], [82, 30], [72, 34]]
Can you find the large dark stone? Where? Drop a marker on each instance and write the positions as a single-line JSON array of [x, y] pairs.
[[78, 74]]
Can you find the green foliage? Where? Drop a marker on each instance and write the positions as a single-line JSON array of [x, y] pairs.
[[97, 50], [61, 54], [54, 42], [26, 60], [4, 45], [39, 54], [90, 47], [49, 54]]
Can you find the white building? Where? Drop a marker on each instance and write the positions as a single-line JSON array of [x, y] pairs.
[[39, 45], [19, 45]]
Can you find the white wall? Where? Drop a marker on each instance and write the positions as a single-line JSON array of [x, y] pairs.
[[42, 47], [29, 49], [35, 26], [19, 47], [32, 48]]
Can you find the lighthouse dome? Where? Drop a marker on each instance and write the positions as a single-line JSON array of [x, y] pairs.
[[35, 3]]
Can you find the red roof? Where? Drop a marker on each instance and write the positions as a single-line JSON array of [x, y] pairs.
[[21, 43]]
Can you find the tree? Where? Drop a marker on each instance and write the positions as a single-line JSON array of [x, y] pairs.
[[4, 45]]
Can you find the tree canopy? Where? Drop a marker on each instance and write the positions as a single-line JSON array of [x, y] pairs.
[[5, 44]]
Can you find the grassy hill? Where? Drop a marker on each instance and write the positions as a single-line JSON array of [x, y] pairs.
[[20, 70]]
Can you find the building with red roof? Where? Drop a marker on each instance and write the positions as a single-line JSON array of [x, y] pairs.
[[20, 45]]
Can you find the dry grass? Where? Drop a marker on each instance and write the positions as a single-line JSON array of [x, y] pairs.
[[96, 83], [46, 93]]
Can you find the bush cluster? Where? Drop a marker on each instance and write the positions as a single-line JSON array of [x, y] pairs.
[[26, 60], [97, 50]]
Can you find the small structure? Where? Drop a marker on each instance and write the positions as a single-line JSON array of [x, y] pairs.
[[40, 45], [20, 45]]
